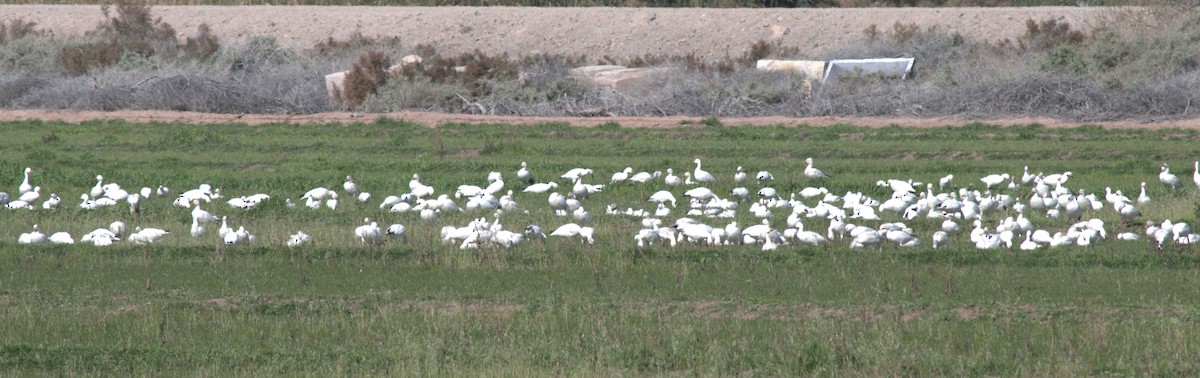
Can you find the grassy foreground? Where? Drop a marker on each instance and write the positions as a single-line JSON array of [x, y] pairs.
[[193, 306]]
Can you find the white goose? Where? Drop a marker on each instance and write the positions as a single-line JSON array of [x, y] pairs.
[[98, 189], [540, 187], [33, 237], [147, 235], [739, 175], [1196, 173], [570, 230], [621, 176], [1143, 198], [25, 186], [663, 196], [993, 180], [61, 237], [398, 231], [350, 186], [672, 179], [813, 173], [702, 176], [1169, 179], [417, 189], [524, 175], [369, 233], [298, 240], [31, 196]]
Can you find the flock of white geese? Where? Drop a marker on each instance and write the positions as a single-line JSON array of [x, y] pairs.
[[1000, 217]]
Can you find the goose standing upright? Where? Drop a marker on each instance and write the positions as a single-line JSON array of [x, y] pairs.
[[1196, 173], [25, 186], [702, 176], [813, 173], [350, 186], [524, 175], [1143, 198], [98, 190], [672, 179], [1169, 179], [739, 176]]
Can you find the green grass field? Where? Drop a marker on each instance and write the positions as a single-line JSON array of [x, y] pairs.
[[196, 307]]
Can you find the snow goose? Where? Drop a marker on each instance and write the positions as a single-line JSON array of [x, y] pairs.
[[100, 237], [61, 237], [739, 175], [114, 191], [298, 240], [702, 176], [811, 192], [225, 230], [993, 180], [644, 177], [52, 202], [576, 173], [672, 179], [417, 189], [524, 175], [241, 236], [808, 237], [135, 203], [1196, 173], [1029, 244], [700, 193], [813, 173], [4, 198], [764, 176], [25, 187], [946, 182], [663, 196], [940, 238], [571, 230], [98, 189], [541, 187], [398, 231], [1169, 179], [202, 215], [621, 176], [584, 191], [31, 195], [350, 186], [19, 205], [198, 229], [147, 235], [369, 233], [1142, 197], [33, 237]]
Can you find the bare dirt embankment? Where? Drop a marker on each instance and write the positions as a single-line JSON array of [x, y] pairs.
[[594, 32]]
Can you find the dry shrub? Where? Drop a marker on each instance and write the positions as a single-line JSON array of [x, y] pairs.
[[203, 45], [130, 29], [474, 71], [355, 42], [78, 60], [365, 78], [17, 29], [1050, 33]]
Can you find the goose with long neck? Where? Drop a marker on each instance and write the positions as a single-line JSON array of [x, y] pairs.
[[25, 186], [701, 175]]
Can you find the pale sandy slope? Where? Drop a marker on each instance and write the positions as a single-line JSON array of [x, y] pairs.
[[594, 32]]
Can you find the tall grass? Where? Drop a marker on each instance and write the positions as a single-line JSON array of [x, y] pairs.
[[193, 306]]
